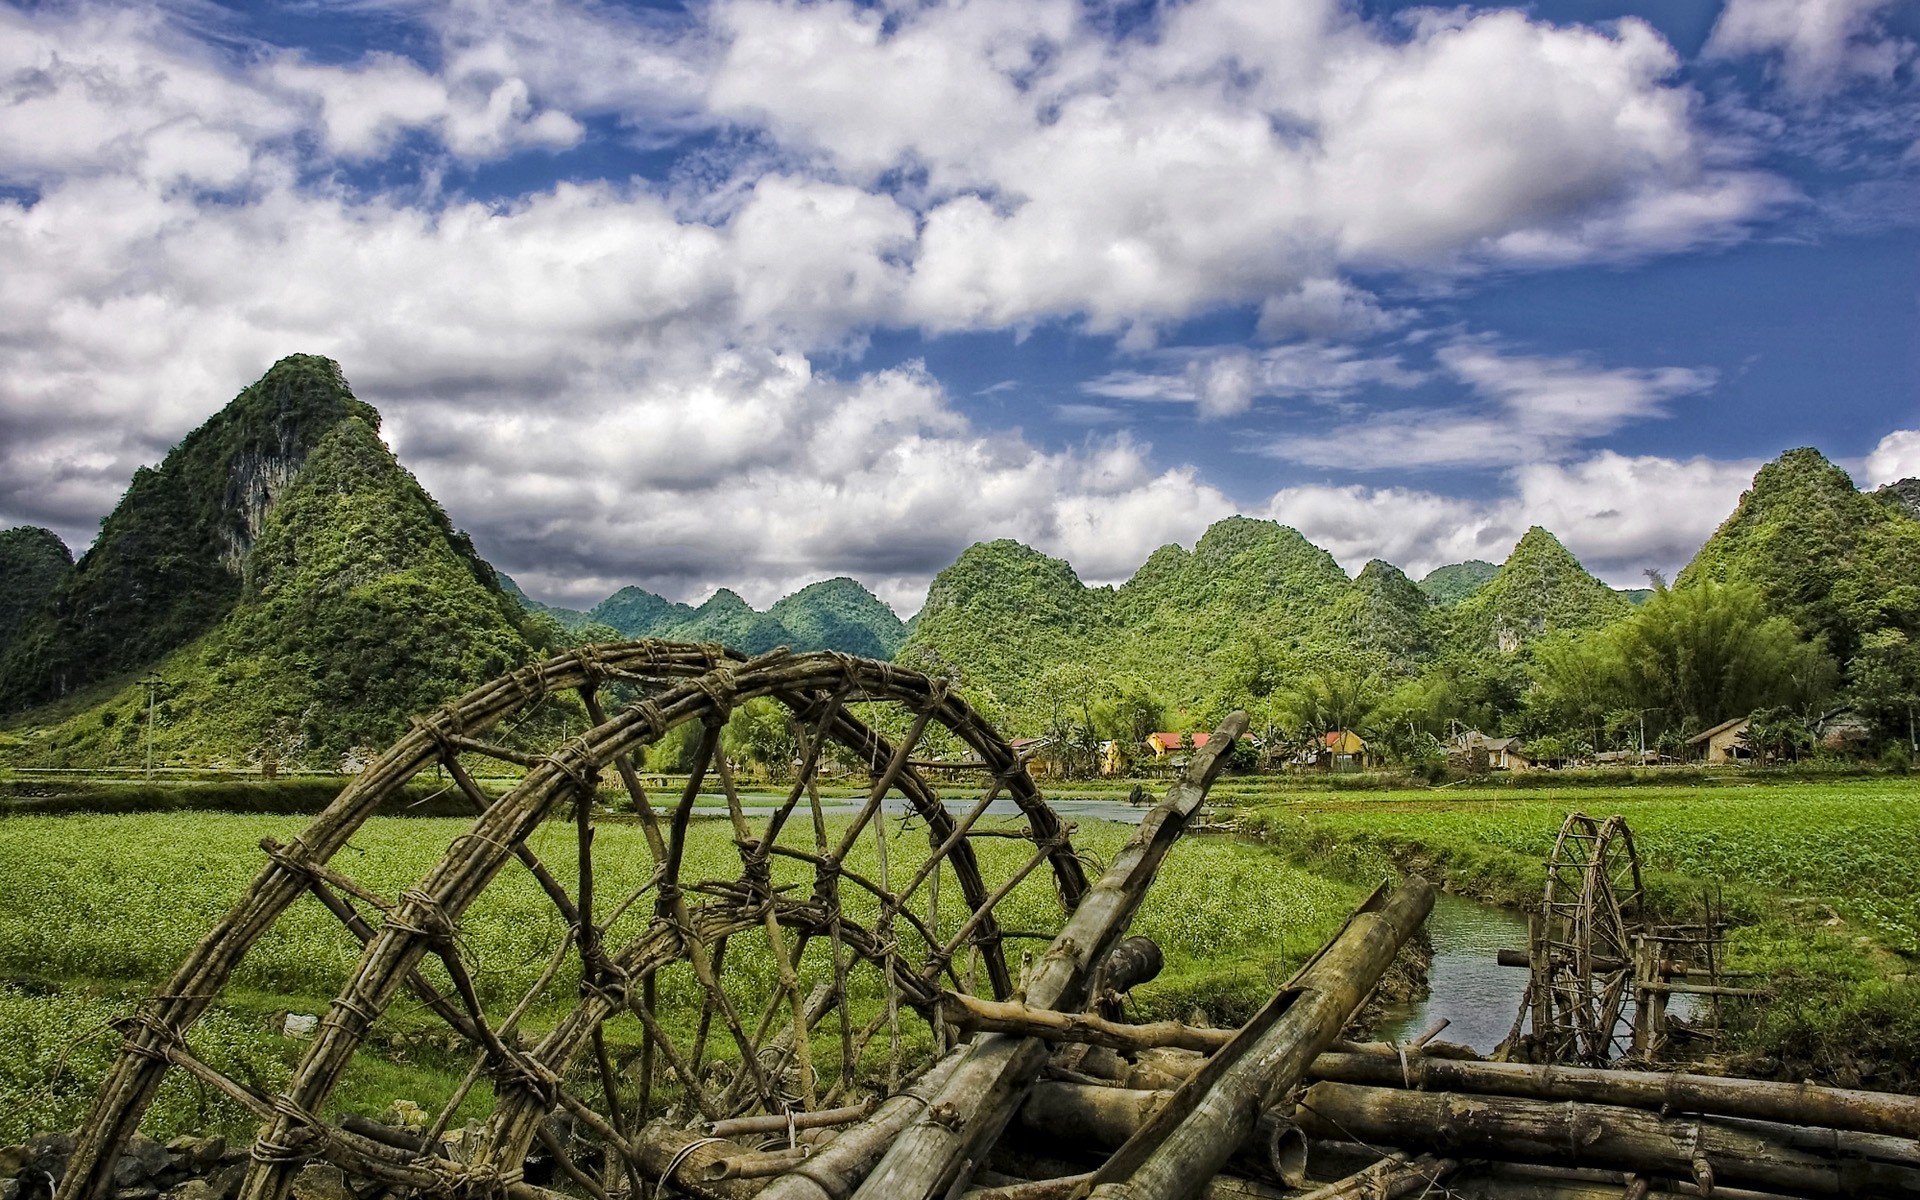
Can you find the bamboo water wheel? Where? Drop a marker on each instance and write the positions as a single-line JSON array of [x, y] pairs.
[[659, 1023], [1583, 940]]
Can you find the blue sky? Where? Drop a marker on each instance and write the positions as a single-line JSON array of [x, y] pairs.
[[753, 292]]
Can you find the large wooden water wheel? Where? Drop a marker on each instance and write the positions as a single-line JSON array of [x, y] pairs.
[[1581, 951], [767, 986]]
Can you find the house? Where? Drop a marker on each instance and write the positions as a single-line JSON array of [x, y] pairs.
[[1035, 753], [1111, 760], [1343, 750], [1842, 729], [1163, 744], [1502, 753], [1724, 743]]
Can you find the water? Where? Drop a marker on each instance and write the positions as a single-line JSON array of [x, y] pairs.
[[1067, 808], [1477, 995]]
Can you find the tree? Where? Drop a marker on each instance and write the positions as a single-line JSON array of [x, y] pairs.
[[1886, 682], [1690, 657], [1335, 698]]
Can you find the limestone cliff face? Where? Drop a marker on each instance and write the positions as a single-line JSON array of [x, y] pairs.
[[171, 559]]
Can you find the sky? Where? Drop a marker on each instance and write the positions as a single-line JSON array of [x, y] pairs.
[[752, 293]]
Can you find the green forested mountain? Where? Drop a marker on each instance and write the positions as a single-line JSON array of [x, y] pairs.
[[1254, 609], [323, 596], [834, 614], [170, 559], [636, 612], [1838, 563], [1003, 613], [1541, 588], [1903, 494], [840, 614], [1454, 582], [567, 618], [33, 561], [1387, 614], [1252, 595]]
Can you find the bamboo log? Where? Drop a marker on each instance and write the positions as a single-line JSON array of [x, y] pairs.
[[1087, 1115], [1795, 1103], [1530, 1181], [1006, 1016], [1213, 1112], [835, 1170], [1767, 1156], [1392, 1177], [978, 1100], [782, 1122]]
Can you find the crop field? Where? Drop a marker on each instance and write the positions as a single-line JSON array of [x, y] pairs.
[[97, 910], [1822, 881], [1847, 845]]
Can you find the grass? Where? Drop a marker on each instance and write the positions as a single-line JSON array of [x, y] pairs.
[[1821, 878], [96, 910]]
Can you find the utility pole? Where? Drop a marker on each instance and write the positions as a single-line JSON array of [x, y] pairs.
[[154, 685]]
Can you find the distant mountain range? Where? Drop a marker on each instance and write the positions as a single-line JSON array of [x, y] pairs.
[[300, 594], [834, 614]]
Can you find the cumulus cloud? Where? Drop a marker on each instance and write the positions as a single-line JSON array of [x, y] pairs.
[[1532, 408], [1817, 45], [1896, 457], [752, 472], [1620, 515], [1236, 155], [1326, 308], [579, 369], [1223, 382]]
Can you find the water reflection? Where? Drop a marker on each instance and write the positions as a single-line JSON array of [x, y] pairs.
[[1478, 996]]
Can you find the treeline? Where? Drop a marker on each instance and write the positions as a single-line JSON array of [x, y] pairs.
[[1805, 604]]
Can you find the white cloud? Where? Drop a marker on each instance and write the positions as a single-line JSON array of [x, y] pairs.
[[617, 381], [1223, 382], [1620, 515], [1821, 44], [1239, 155], [1896, 457], [1533, 408], [1326, 308]]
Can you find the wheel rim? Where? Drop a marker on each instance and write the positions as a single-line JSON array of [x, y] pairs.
[[853, 932]]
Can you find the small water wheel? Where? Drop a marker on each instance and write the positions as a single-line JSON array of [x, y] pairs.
[[692, 969], [1581, 950]]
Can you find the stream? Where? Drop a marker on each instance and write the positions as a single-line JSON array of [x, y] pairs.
[[1478, 996]]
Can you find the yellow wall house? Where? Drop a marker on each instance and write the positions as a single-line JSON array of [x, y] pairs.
[[1724, 743], [1163, 744]]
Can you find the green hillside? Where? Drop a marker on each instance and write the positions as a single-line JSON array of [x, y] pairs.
[[636, 612], [834, 614], [33, 561], [1449, 585], [839, 614], [1003, 613], [1840, 564], [1541, 588], [1386, 614], [1253, 597], [170, 559], [350, 603], [571, 619]]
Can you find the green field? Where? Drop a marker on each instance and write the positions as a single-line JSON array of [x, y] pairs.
[[1822, 881], [97, 910]]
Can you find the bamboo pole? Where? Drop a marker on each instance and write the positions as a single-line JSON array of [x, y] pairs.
[[932, 1153], [837, 1168], [1392, 1177], [1795, 1103], [1215, 1111], [1006, 1016], [1775, 1157]]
